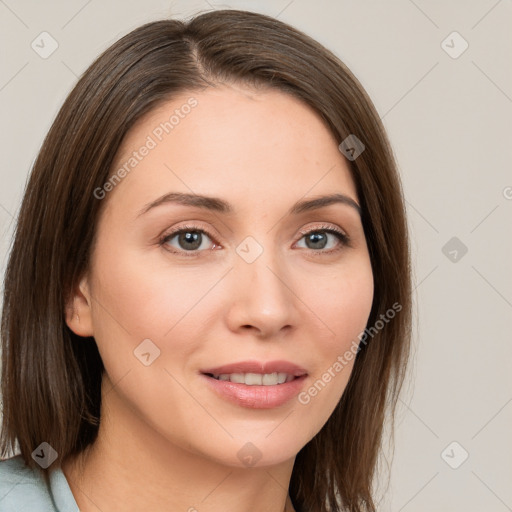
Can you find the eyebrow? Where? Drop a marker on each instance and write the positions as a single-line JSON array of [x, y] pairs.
[[218, 205]]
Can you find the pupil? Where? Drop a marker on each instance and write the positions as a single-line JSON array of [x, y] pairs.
[[193, 238], [317, 238]]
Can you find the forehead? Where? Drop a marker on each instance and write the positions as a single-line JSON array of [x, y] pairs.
[[256, 148]]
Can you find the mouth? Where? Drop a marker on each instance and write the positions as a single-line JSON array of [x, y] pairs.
[[255, 384]]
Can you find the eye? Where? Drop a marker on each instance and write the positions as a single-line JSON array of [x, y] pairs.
[[318, 238], [189, 239]]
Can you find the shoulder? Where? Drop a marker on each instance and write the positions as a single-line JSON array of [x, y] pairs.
[[23, 489]]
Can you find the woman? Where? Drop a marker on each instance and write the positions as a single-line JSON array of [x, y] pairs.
[[207, 303]]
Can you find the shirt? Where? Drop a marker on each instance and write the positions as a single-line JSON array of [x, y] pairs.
[[25, 490]]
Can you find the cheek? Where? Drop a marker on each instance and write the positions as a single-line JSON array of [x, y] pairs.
[[137, 299], [132, 292], [343, 307], [343, 302]]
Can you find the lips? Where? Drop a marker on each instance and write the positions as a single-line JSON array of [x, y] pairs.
[[254, 384]]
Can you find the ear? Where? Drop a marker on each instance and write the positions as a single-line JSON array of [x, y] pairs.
[[78, 310]]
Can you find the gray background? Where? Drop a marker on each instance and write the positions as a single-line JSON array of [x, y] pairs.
[[448, 118]]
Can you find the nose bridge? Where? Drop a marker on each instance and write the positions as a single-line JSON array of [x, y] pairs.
[[264, 297], [258, 263]]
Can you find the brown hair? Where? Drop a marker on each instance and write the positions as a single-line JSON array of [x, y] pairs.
[[51, 378]]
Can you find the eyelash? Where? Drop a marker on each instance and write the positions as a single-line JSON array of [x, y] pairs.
[[342, 237]]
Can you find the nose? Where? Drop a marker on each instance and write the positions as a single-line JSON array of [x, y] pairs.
[[262, 297]]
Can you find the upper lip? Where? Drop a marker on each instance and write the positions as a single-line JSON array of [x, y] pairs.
[[258, 367]]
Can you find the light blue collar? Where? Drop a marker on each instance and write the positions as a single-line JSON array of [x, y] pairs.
[[61, 492]]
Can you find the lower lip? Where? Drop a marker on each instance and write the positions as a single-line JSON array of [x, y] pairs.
[[256, 397]]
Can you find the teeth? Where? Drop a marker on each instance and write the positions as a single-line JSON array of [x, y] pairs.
[[256, 379], [270, 379], [237, 377], [253, 379]]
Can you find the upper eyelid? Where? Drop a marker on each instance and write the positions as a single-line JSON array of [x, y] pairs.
[[191, 226], [323, 227]]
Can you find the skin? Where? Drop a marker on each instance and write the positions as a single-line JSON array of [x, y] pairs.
[[166, 440]]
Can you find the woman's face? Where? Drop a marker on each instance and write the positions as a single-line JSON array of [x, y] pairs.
[[243, 283]]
